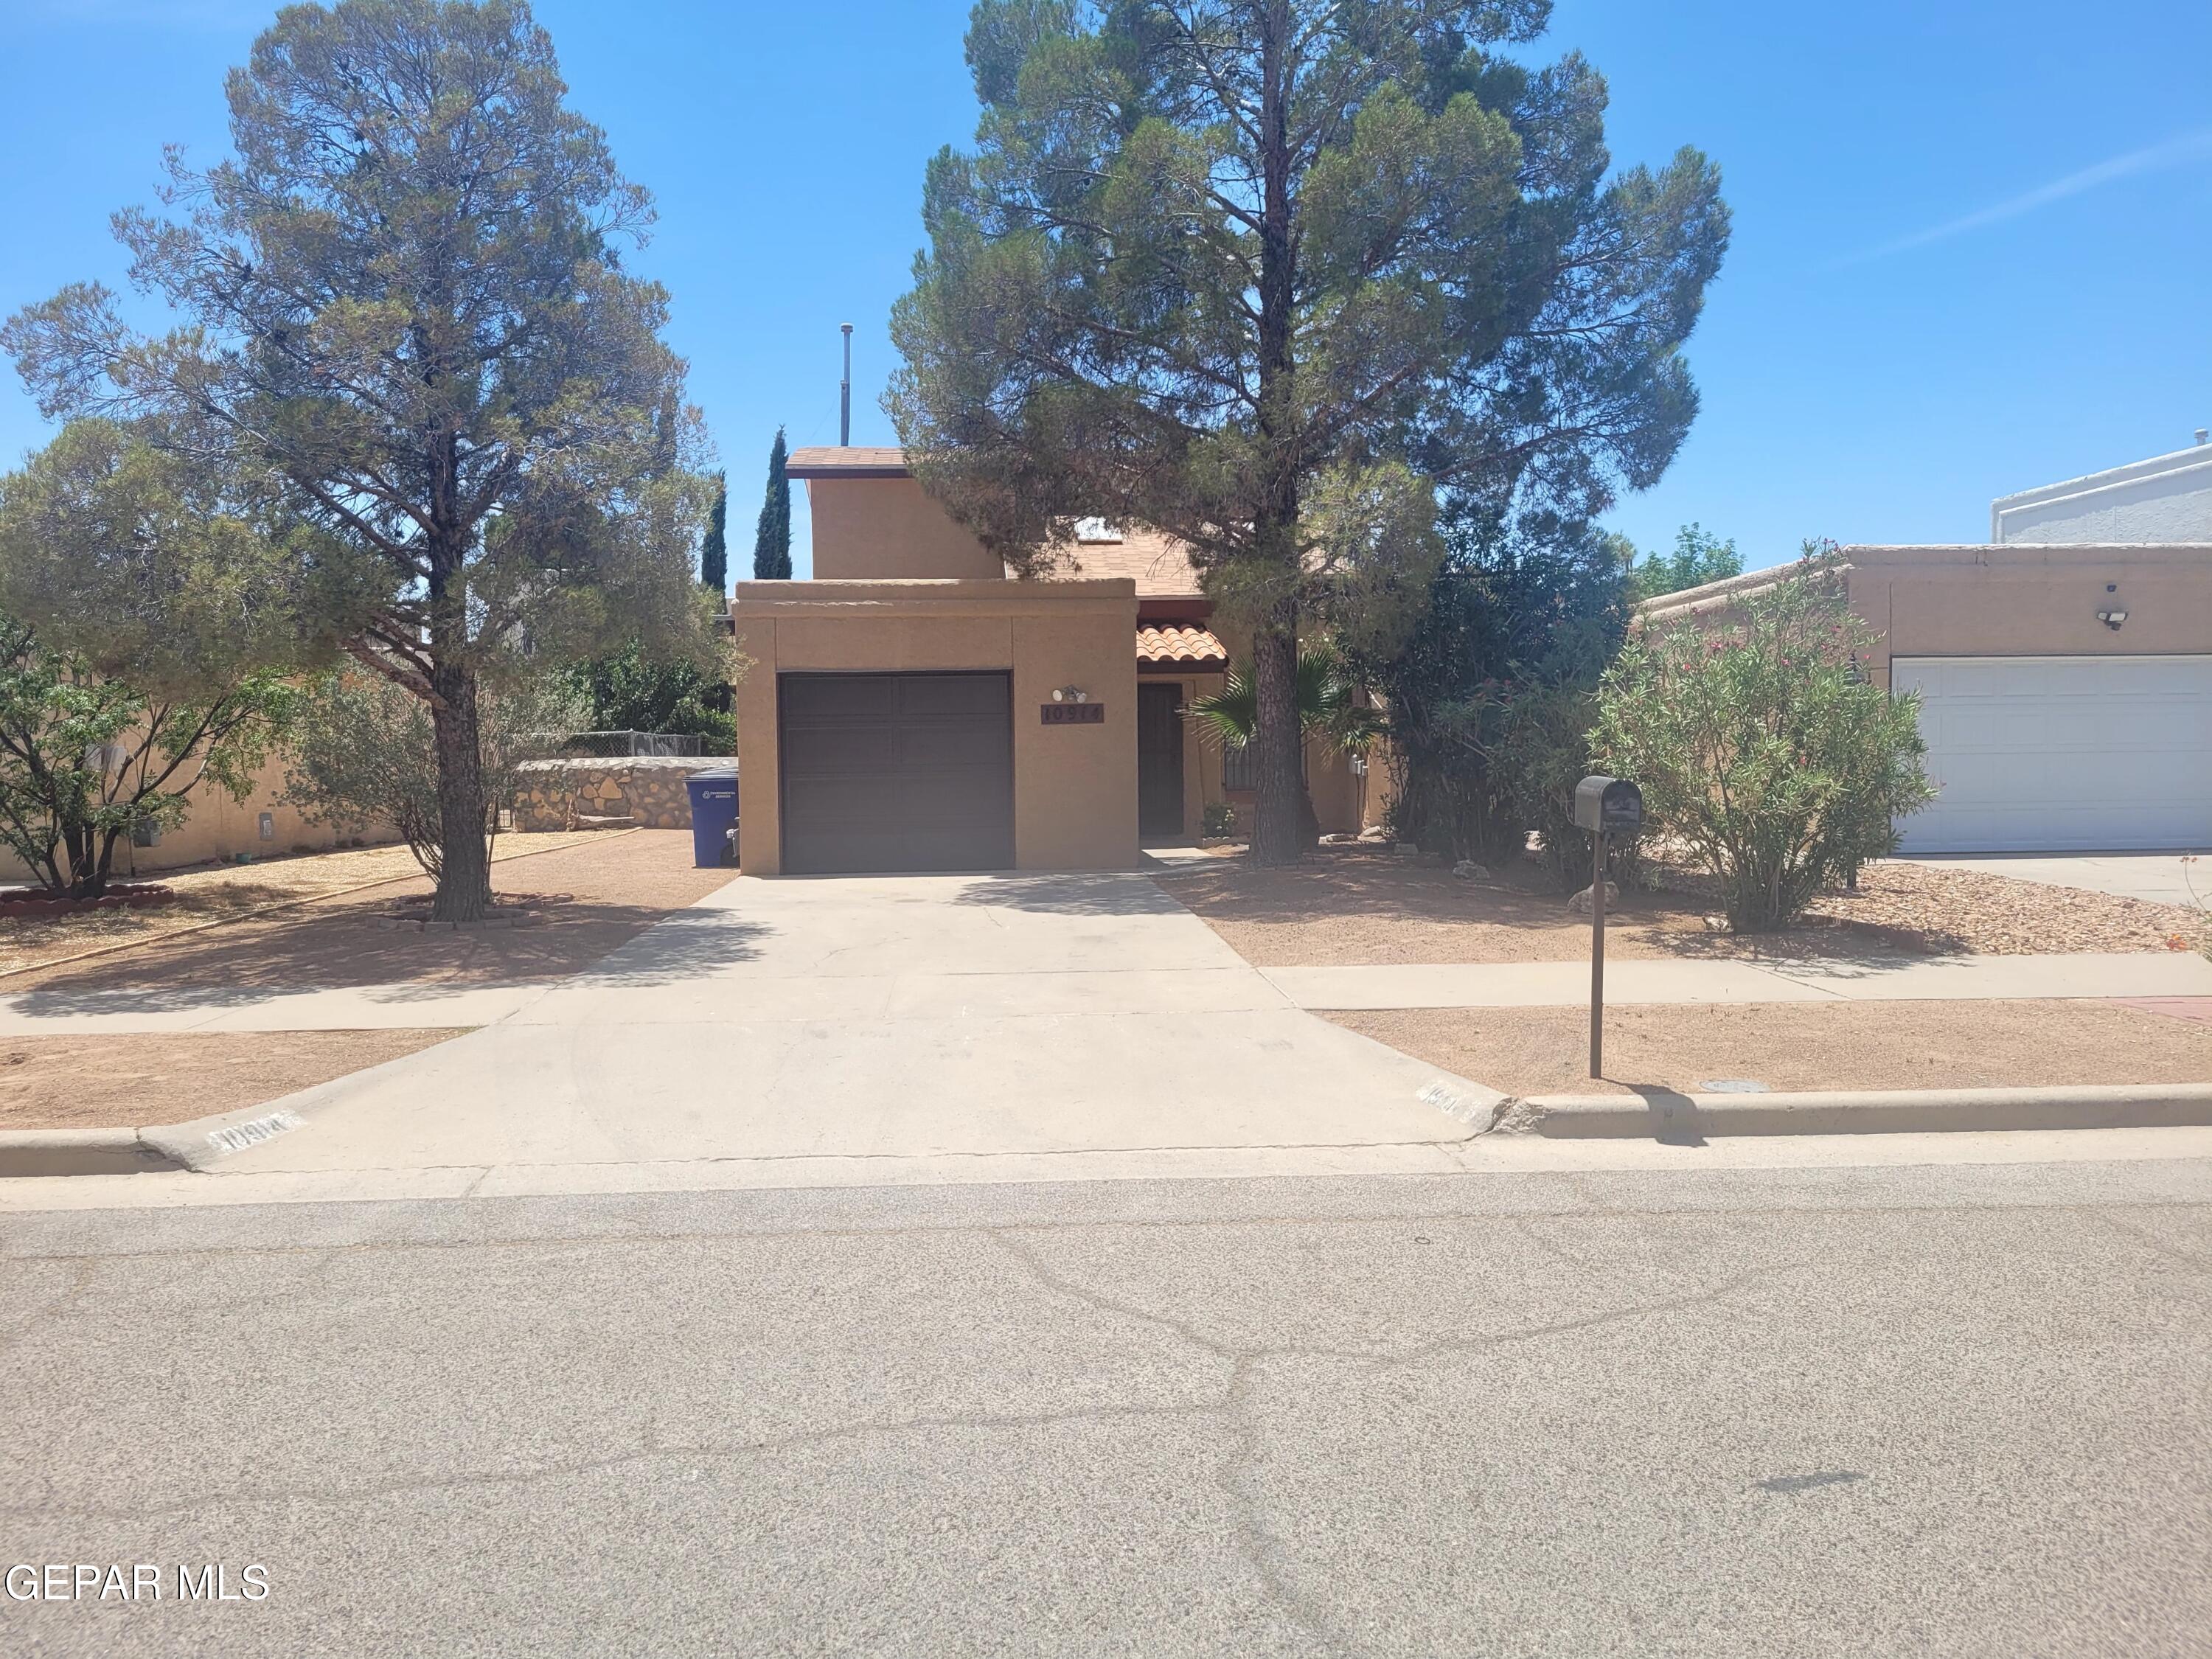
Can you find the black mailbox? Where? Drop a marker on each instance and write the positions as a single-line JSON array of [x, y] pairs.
[[1612, 804]]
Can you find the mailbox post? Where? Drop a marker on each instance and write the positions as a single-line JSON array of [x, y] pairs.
[[1602, 806]]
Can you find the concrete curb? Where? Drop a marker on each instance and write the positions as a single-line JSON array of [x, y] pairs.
[[80, 1151], [1667, 1116], [195, 1145]]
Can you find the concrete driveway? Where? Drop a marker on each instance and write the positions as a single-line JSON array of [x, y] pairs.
[[2154, 877], [896, 1017]]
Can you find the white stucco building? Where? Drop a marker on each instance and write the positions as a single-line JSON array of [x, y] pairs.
[[2165, 499]]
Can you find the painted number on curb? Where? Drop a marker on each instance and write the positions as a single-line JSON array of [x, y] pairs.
[[237, 1137]]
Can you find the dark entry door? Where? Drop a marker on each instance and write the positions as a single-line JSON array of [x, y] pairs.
[[896, 772], [1159, 759]]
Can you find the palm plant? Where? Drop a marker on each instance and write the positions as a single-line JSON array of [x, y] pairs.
[[1327, 706]]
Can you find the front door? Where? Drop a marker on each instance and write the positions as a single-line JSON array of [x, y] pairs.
[[1159, 760]]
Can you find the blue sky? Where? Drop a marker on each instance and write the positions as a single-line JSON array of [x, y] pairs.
[[1972, 240]]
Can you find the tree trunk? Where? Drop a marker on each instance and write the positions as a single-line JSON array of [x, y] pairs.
[[1283, 830], [465, 864]]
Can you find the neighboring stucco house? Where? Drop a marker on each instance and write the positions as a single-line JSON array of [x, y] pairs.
[[2168, 499], [915, 707], [2065, 684]]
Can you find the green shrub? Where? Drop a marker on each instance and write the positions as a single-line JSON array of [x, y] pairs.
[[1762, 747], [1219, 818], [1488, 700], [361, 754]]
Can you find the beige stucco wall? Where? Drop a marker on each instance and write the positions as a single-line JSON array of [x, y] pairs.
[[1075, 786], [871, 529], [216, 827], [2012, 600], [2026, 600]]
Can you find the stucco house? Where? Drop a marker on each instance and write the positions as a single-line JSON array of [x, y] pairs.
[[2064, 668], [914, 706]]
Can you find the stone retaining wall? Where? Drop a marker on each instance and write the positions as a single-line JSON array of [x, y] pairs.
[[551, 794]]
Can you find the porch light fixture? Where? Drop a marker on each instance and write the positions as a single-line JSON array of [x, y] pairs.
[[2113, 619], [1070, 693]]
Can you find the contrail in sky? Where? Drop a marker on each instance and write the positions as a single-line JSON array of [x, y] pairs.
[[2190, 147]]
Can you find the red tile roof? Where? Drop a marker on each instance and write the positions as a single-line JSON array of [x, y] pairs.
[[1180, 644]]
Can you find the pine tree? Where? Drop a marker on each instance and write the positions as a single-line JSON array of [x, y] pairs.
[[1303, 284], [772, 542], [715, 551]]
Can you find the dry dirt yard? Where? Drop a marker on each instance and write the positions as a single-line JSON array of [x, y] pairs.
[[1364, 904], [220, 892], [1793, 1046], [134, 1081], [597, 890]]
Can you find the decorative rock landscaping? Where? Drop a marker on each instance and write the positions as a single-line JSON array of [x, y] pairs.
[[576, 794]]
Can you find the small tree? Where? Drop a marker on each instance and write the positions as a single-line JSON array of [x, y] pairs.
[[405, 303], [87, 761], [363, 754], [1699, 557], [772, 538], [1763, 747], [632, 690], [151, 615], [715, 551]]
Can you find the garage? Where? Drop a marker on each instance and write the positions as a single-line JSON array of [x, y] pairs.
[[885, 771], [2062, 753]]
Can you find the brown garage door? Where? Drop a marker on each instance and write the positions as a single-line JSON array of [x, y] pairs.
[[896, 772]]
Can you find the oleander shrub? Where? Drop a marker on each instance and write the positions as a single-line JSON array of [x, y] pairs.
[[1762, 747]]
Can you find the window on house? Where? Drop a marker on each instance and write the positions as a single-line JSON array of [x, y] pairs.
[[1092, 532], [1236, 766], [145, 833]]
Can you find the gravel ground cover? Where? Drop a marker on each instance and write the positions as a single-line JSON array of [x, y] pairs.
[[1364, 904]]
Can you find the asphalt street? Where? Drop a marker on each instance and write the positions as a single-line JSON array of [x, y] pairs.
[[1958, 1409]]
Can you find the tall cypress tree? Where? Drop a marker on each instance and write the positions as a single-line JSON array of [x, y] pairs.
[[715, 551], [772, 542]]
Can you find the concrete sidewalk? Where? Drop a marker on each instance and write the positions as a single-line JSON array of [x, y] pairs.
[[894, 1018], [1563, 984], [905, 977]]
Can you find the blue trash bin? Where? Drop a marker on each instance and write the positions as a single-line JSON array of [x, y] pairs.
[[714, 815]]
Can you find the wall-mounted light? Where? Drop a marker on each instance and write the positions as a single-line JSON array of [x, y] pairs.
[[2113, 619], [1070, 693]]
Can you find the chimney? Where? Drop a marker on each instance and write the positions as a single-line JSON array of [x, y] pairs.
[[845, 395], [2202, 434]]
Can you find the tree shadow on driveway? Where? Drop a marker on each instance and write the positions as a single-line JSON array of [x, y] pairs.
[[343, 947], [1076, 893]]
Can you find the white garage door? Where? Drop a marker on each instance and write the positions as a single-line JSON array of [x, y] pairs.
[[2037, 754]]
